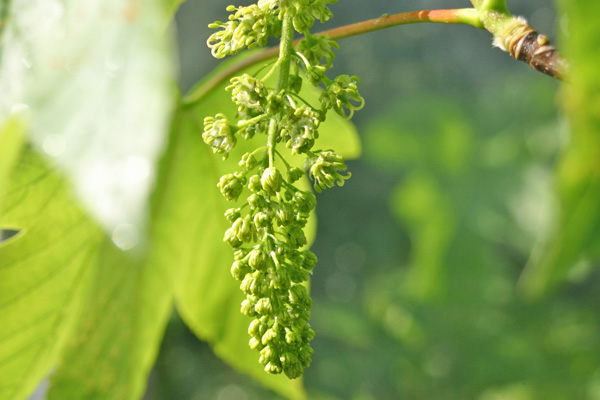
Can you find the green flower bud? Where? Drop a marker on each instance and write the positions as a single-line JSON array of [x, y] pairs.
[[265, 307], [315, 74], [248, 161], [300, 129], [271, 180], [269, 336], [254, 329], [298, 295], [267, 354], [257, 202], [282, 279], [257, 259], [248, 284], [261, 220], [273, 368], [254, 184], [232, 214], [325, 170], [247, 308], [218, 135], [284, 214], [254, 285], [239, 270], [231, 238], [288, 358], [231, 186], [316, 48], [304, 354], [294, 174], [341, 95], [298, 275], [295, 236], [254, 343], [310, 260], [247, 27], [244, 229], [291, 366], [303, 21], [292, 336], [308, 333], [304, 201], [249, 93]]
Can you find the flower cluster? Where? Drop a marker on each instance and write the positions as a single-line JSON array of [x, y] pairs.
[[325, 170], [247, 27], [342, 94], [267, 236], [304, 12], [218, 135], [267, 228], [316, 48], [251, 26]]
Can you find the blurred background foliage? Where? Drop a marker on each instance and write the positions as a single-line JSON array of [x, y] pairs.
[[417, 294]]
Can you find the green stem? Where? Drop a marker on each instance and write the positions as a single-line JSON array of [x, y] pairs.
[[285, 53], [271, 139], [494, 5], [251, 121], [286, 48]]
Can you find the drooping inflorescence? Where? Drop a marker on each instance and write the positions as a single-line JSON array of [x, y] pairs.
[[267, 230]]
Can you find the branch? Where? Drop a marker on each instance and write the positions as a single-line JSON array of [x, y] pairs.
[[465, 16], [510, 34], [521, 41], [524, 43]]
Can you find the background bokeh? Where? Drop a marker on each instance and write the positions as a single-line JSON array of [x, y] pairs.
[[416, 294]]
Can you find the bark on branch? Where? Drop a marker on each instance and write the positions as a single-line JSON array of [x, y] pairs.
[[524, 43]]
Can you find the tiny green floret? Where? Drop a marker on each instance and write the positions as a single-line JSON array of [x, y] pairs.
[[267, 232]]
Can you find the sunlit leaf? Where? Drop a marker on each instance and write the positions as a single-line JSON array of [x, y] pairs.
[[96, 78], [575, 238], [71, 300], [41, 274], [172, 6], [11, 141], [208, 298], [126, 307], [421, 204]]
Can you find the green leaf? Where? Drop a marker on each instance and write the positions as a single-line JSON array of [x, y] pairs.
[[207, 297], [127, 305], [172, 6], [421, 203], [11, 141], [96, 77], [41, 273], [70, 299], [576, 237]]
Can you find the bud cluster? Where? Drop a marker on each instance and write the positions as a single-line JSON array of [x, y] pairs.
[[267, 228], [218, 135], [247, 27], [267, 237]]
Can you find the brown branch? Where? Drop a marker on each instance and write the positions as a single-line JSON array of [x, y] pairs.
[[526, 44]]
